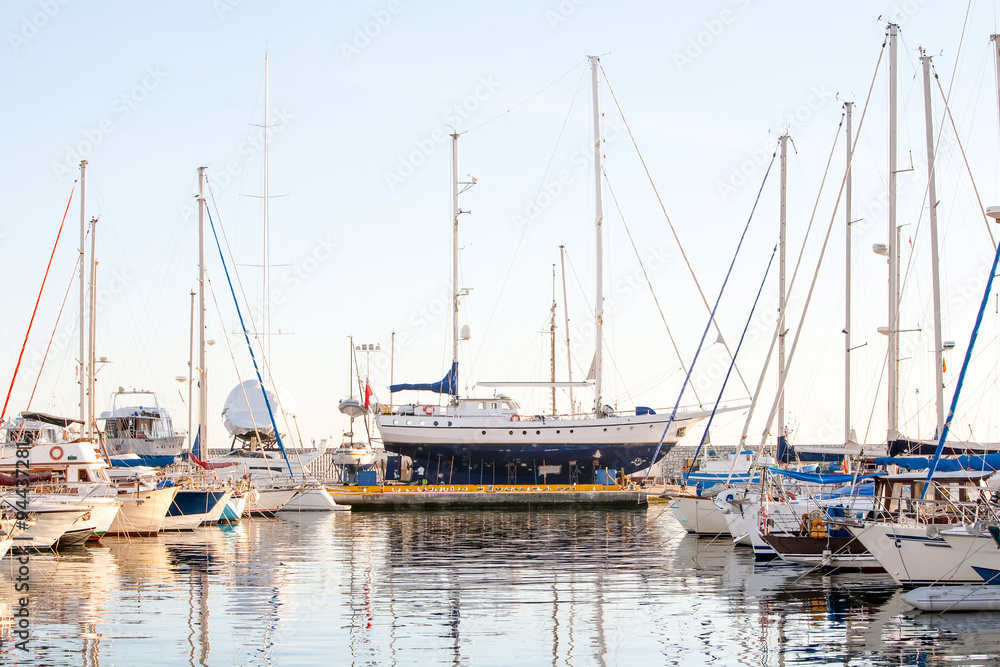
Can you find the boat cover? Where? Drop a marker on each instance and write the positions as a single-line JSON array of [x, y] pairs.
[[447, 385], [244, 414]]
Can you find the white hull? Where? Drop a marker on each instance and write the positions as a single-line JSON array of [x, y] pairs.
[[142, 512], [267, 502], [912, 558], [146, 447], [507, 430], [699, 516], [48, 527], [954, 598], [102, 510]]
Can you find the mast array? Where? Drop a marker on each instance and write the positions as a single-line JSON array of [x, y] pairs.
[[595, 63], [935, 269], [893, 243]]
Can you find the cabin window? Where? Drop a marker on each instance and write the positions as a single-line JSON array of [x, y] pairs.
[[681, 431], [82, 476]]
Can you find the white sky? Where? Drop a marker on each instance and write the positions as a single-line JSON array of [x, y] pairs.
[[364, 93]]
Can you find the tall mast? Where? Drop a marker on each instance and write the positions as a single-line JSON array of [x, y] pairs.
[[552, 332], [191, 379], [92, 359], [782, 302], [595, 63], [848, 109], [893, 361], [81, 367], [350, 367], [569, 353], [996, 43], [925, 60], [455, 212], [266, 324], [202, 369]]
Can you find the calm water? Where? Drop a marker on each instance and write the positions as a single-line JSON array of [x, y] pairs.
[[468, 588]]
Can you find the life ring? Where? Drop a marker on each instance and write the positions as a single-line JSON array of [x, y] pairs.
[[56, 453], [428, 410], [515, 418]]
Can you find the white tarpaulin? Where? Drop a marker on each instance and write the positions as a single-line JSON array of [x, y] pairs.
[[245, 411]]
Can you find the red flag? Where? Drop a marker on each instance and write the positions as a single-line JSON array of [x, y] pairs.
[[368, 394]]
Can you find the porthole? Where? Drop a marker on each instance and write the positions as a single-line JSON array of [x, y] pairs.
[[524, 433], [557, 431], [422, 422], [409, 421], [395, 421], [484, 432], [538, 432], [605, 428], [508, 432], [571, 430], [449, 423], [435, 423]]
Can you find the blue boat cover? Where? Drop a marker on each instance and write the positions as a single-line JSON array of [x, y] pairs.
[[988, 462], [152, 461], [819, 479], [447, 385]]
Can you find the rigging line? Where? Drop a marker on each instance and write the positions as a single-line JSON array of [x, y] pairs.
[[725, 380], [711, 314], [663, 317], [232, 356], [968, 168], [263, 390], [732, 467], [38, 300], [779, 327], [55, 328], [781, 317], [670, 222], [239, 281], [515, 260], [519, 104], [961, 374]]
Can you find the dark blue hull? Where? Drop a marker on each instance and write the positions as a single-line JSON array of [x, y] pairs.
[[188, 502], [527, 464]]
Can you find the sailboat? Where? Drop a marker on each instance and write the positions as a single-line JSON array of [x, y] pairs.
[[489, 440]]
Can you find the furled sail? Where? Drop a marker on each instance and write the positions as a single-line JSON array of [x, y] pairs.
[[447, 385]]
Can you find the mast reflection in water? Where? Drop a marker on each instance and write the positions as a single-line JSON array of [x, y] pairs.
[[435, 588]]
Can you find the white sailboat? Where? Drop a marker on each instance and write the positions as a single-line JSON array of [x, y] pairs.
[[477, 440]]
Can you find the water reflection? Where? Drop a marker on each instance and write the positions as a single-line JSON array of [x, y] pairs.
[[440, 588]]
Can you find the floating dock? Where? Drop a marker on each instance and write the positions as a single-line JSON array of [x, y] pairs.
[[397, 496]]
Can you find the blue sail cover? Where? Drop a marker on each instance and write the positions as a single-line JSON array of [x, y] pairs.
[[819, 479], [989, 462], [447, 385]]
